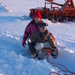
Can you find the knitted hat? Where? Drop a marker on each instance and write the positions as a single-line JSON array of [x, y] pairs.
[[37, 14], [43, 25]]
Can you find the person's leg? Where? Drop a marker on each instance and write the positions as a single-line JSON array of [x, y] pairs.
[[40, 46], [31, 47], [46, 45], [38, 50], [54, 52]]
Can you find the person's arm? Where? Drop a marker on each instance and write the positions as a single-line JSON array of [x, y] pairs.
[[33, 36], [51, 41], [53, 37], [25, 36], [27, 31]]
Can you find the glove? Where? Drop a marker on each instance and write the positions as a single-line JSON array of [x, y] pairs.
[[29, 41], [24, 42]]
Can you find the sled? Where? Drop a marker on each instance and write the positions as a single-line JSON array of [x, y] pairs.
[[47, 51]]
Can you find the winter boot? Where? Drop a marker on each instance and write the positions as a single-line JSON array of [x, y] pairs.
[[31, 48], [54, 53]]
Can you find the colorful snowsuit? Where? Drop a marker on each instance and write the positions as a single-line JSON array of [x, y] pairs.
[[38, 37]]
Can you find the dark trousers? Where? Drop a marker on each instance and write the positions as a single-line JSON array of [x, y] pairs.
[[31, 47]]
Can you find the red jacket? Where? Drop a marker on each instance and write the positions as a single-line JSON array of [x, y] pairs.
[[30, 28]]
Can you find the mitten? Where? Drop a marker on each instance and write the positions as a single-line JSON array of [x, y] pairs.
[[24, 42], [55, 53]]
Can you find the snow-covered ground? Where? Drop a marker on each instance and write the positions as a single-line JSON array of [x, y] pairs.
[[14, 59]]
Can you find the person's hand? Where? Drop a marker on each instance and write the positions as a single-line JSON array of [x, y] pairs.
[[55, 53], [24, 42], [29, 41]]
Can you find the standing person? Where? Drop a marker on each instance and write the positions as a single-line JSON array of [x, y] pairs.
[[33, 25], [43, 39]]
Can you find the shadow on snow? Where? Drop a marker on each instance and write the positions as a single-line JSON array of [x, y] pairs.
[[12, 44], [13, 18], [2, 9]]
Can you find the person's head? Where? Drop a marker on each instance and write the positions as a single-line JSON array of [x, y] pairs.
[[37, 17], [42, 27]]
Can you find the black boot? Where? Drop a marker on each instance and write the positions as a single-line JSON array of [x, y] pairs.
[[31, 47], [54, 53]]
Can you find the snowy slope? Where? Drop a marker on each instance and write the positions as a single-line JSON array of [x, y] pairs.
[[14, 59]]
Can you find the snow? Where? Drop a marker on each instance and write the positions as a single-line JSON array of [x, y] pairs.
[[14, 59]]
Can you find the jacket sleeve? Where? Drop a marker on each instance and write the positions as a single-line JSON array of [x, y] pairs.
[[33, 36], [51, 41], [53, 37], [27, 31]]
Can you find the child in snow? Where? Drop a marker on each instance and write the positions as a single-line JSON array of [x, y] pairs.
[[43, 39], [32, 26]]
